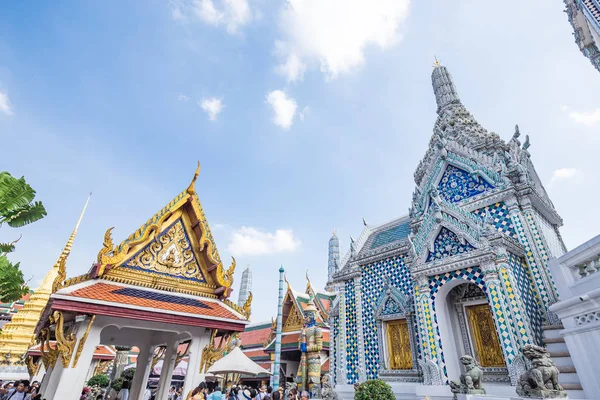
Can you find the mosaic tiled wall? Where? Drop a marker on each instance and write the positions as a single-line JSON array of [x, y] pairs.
[[351, 334], [333, 353], [555, 245], [501, 218], [447, 244], [372, 282], [471, 274], [513, 308], [528, 295], [534, 268], [504, 324]]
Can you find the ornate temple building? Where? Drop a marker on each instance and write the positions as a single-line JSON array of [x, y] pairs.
[[258, 340], [465, 272], [164, 289], [584, 16]]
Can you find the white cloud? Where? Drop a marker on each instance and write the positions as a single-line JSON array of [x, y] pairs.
[[564, 173], [586, 118], [183, 97], [252, 242], [284, 108], [335, 33], [212, 106], [232, 14], [5, 106]]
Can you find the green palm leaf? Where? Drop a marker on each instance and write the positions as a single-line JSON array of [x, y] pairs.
[[14, 193], [24, 215], [6, 247]]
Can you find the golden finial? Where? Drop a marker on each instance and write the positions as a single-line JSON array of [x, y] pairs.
[[192, 188], [436, 63], [286, 281], [307, 278], [61, 263]]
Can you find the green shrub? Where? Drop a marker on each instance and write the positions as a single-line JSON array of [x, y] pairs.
[[100, 380], [374, 389], [117, 384]]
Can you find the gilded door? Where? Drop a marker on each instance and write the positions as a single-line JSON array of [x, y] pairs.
[[484, 337], [399, 351]]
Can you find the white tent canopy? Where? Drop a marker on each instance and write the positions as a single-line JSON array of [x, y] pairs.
[[237, 362]]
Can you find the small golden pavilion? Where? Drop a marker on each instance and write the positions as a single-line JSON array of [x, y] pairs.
[[163, 286]]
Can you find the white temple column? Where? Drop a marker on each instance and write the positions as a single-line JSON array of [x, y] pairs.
[[45, 379], [168, 366], [142, 371], [71, 380], [193, 376]]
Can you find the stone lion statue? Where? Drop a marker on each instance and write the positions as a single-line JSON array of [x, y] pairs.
[[327, 392], [470, 381], [542, 379]]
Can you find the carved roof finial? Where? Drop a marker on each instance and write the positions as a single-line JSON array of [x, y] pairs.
[[443, 87], [527, 143], [192, 188], [61, 263], [517, 132], [436, 62]]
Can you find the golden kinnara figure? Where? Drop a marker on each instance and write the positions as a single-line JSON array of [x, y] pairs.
[[311, 343]]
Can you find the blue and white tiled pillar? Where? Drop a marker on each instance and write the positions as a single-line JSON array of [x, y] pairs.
[[362, 373], [506, 326], [537, 266]]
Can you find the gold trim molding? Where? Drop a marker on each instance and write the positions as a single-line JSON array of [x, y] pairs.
[[82, 341]]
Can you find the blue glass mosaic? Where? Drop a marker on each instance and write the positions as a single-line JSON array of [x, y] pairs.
[[471, 274], [501, 218], [390, 307], [391, 235], [447, 244], [372, 284], [527, 294], [351, 334], [457, 184], [165, 298]]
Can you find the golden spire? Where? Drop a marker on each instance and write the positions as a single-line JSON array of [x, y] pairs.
[[286, 281], [192, 188], [61, 264], [18, 335], [308, 284], [436, 63]]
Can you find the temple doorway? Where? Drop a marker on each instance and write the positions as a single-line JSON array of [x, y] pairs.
[[467, 327]]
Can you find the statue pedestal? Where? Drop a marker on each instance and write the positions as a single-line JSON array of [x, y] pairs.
[[487, 397]]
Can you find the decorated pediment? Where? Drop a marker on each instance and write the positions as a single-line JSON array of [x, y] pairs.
[[393, 303], [457, 184], [174, 251], [448, 244], [169, 254]]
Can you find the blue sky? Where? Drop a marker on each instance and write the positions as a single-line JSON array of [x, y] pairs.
[[306, 115]]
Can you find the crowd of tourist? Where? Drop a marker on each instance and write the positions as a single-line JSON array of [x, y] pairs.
[[20, 390], [23, 390]]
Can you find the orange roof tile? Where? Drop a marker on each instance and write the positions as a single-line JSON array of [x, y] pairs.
[[325, 367], [256, 353], [155, 300], [255, 336]]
